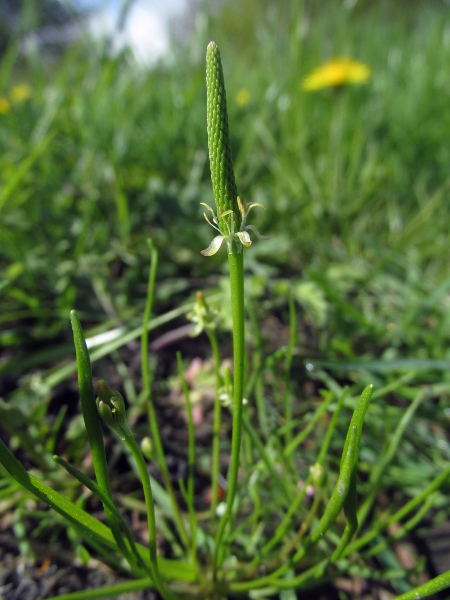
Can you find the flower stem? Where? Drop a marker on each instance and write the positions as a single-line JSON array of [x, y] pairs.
[[145, 478], [216, 427], [236, 262], [150, 402]]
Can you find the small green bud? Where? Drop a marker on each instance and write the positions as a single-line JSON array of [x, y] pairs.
[[221, 164], [318, 475], [147, 448], [111, 408]]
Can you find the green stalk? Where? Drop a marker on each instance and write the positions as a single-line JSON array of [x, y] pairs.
[[194, 527], [230, 214], [151, 406], [236, 263], [439, 583], [216, 426], [191, 434], [256, 381], [111, 407], [287, 382], [148, 495]]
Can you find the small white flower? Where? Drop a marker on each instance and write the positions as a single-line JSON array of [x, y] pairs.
[[241, 237]]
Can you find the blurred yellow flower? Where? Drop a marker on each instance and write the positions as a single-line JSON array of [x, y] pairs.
[[5, 106], [20, 92], [243, 97], [336, 72]]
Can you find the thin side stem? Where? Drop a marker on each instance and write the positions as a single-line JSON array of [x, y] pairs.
[[216, 426], [287, 382], [145, 478], [256, 382], [191, 434], [151, 406]]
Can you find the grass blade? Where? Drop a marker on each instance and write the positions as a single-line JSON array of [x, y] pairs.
[[439, 583], [93, 426], [94, 488]]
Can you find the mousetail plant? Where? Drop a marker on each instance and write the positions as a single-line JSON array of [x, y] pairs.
[[230, 222]]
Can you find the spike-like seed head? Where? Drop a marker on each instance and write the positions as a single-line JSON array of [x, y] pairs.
[[221, 164]]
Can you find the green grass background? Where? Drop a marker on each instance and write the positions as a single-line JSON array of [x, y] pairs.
[[106, 153]]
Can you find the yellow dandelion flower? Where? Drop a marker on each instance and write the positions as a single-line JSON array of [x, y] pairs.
[[20, 92], [243, 97], [336, 72], [5, 106]]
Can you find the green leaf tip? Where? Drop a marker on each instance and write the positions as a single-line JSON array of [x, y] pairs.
[[221, 163]]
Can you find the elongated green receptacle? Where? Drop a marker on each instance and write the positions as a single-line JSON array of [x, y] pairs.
[[221, 164]]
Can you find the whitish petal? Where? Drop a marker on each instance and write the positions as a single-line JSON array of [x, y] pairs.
[[214, 246], [244, 238], [258, 235]]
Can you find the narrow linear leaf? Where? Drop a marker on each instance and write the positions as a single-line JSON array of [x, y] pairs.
[[347, 477], [340, 491], [357, 420], [94, 488], [88, 526], [401, 514], [439, 583], [350, 508], [350, 501], [88, 405], [111, 591], [93, 426], [85, 523]]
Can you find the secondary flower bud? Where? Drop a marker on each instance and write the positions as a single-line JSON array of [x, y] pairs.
[[111, 408]]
